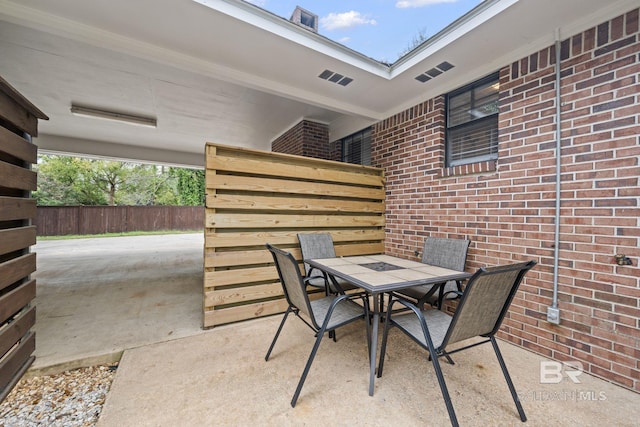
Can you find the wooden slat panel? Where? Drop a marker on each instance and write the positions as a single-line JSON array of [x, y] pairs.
[[16, 177], [12, 112], [16, 330], [12, 208], [280, 168], [286, 160], [360, 249], [213, 279], [253, 202], [18, 147], [241, 295], [16, 364], [251, 257], [275, 237], [15, 300], [237, 258], [255, 197], [13, 239], [272, 185], [243, 312], [17, 343], [13, 270], [221, 220]]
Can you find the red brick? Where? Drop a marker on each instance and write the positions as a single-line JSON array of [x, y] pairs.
[[506, 207]]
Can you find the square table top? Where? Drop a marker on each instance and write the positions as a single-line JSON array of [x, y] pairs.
[[384, 273]]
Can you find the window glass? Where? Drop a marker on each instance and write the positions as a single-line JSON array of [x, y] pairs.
[[472, 122], [356, 148]]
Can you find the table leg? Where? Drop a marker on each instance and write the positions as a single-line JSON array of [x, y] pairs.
[[374, 342]]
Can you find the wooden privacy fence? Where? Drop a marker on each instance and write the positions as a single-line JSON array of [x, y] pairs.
[[18, 122], [255, 197], [63, 220]]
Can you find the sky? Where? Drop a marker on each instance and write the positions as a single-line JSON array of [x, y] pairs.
[[380, 29]]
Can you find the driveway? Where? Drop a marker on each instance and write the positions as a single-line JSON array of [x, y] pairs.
[[99, 296]]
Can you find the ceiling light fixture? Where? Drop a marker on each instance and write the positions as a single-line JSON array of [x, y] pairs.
[[114, 116]]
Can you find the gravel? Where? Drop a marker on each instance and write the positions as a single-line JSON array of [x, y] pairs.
[[72, 398]]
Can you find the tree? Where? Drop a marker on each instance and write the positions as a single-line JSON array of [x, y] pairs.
[[108, 176], [148, 185], [190, 186], [64, 180], [417, 40]]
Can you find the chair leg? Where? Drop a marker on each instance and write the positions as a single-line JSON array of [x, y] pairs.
[[383, 346], [273, 343], [307, 367], [443, 385], [507, 377], [449, 359], [367, 321], [433, 354]]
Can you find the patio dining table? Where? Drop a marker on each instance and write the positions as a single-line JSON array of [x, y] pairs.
[[378, 274]]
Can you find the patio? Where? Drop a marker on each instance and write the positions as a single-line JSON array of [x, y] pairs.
[[219, 377], [502, 201], [163, 383]]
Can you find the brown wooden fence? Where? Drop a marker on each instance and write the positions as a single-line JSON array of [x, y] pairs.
[[64, 220], [255, 197]]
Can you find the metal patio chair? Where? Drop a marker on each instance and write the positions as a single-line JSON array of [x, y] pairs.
[[320, 245], [441, 252], [321, 315], [482, 308]]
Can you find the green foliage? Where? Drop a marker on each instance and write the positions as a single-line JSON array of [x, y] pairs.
[[190, 186], [66, 180], [148, 185]]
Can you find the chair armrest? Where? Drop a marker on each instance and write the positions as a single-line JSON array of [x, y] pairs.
[[458, 294], [394, 297], [307, 279]]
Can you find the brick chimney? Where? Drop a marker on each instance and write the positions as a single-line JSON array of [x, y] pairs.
[[305, 19]]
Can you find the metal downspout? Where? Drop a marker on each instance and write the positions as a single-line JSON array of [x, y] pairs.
[[553, 313]]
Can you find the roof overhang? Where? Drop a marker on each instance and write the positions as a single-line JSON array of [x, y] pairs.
[[229, 72]]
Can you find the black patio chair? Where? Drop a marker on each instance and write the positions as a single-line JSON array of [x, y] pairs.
[[441, 252], [321, 315], [320, 245], [482, 308]]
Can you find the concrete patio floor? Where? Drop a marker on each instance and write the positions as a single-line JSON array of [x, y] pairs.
[[96, 297], [220, 377], [140, 297]]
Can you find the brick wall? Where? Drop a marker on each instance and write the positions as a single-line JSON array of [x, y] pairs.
[[507, 207], [307, 138]]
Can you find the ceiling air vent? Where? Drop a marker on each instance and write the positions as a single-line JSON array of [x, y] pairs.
[[335, 78], [434, 72]]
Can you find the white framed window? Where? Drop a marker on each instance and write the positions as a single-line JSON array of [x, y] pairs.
[[472, 122]]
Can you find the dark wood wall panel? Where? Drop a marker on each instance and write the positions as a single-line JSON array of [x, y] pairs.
[[18, 123]]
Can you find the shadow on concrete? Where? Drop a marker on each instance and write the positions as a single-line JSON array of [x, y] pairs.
[[220, 377], [96, 297]]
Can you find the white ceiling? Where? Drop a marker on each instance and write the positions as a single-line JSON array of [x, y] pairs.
[[228, 72]]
